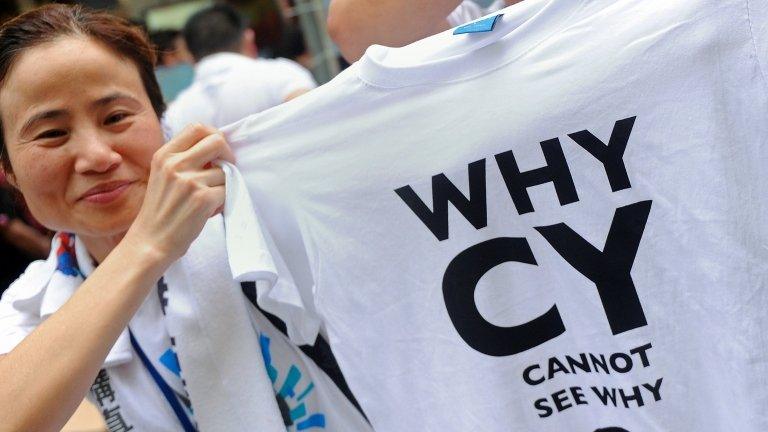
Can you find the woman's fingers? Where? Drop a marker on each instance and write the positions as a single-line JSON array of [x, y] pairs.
[[217, 195], [212, 147], [209, 149], [226, 153], [195, 147], [188, 137], [213, 176]]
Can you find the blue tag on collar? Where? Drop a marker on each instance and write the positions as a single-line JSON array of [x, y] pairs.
[[484, 25]]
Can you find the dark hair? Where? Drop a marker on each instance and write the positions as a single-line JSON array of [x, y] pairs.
[[164, 42], [215, 29], [47, 23]]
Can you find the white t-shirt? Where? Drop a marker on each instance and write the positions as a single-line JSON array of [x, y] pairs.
[[464, 286], [228, 87], [468, 10], [124, 391]]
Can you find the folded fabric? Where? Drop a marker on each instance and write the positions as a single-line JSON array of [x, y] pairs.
[[216, 343], [220, 356], [252, 256]]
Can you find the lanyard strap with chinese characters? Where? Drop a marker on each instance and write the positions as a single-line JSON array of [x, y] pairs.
[[167, 391]]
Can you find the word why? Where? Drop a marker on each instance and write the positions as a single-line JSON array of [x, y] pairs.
[[475, 208], [636, 396]]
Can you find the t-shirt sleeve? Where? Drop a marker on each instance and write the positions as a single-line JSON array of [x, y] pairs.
[[758, 21], [292, 77], [289, 301], [19, 310], [292, 296], [254, 256]]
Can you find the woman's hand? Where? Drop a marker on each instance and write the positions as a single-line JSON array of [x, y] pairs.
[[184, 190]]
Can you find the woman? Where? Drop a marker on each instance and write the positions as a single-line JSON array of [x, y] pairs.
[[82, 141]]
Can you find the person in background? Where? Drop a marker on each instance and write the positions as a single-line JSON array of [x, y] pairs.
[[357, 24], [171, 48], [174, 69], [230, 82]]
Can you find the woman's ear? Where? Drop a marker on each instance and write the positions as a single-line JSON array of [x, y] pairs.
[[10, 179], [248, 43]]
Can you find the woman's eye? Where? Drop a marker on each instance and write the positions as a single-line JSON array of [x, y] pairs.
[[53, 133], [115, 118]]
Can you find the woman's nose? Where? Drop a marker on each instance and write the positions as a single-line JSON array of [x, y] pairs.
[[96, 155]]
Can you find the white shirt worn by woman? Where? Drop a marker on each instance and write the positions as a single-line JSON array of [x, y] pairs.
[[125, 392]]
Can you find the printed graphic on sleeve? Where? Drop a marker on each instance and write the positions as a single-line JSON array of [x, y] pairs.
[[291, 393]]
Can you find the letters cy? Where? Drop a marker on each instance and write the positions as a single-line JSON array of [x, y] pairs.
[[608, 269]]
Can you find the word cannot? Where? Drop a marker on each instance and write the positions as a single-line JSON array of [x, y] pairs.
[[619, 362]]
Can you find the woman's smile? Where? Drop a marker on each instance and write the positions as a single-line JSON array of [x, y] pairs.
[[107, 192]]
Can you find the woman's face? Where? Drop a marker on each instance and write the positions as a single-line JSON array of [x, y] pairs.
[[80, 132]]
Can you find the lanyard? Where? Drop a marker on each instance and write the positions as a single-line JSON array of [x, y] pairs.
[[168, 392]]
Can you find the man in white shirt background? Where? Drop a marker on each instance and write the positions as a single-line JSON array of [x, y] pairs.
[[230, 81]]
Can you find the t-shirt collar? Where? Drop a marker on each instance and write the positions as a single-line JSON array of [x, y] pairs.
[[448, 58]]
